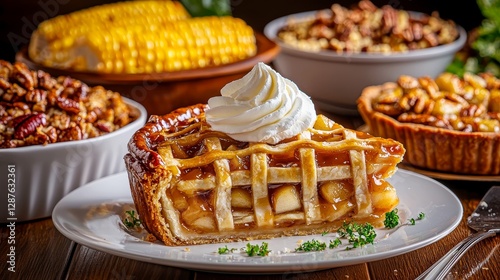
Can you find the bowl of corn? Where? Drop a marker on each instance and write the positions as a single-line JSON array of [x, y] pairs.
[[333, 54], [153, 52]]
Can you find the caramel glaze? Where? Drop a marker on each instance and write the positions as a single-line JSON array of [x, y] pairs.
[[142, 145], [205, 200]]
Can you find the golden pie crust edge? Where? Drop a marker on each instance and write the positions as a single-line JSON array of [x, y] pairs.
[[142, 164], [427, 147]]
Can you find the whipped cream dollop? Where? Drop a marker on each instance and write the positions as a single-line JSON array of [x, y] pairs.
[[262, 106]]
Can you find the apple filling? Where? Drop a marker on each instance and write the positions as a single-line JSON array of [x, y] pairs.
[[320, 177]]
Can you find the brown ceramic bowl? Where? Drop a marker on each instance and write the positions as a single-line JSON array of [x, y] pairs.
[[161, 93]]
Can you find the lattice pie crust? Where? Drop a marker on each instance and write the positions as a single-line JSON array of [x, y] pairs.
[[193, 185]]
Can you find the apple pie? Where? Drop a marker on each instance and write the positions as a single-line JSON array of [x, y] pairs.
[[192, 184]]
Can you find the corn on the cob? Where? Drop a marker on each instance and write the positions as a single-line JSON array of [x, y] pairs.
[[140, 37], [179, 45]]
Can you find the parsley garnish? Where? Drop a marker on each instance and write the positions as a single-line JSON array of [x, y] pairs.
[[313, 245], [335, 243], [225, 250], [131, 221], [357, 235], [391, 219], [421, 216], [256, 250]]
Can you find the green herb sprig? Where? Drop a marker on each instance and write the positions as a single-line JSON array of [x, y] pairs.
[[256, 250], [312, 245], [484, 53], [225, 250], [420, 216], [357, 235], [391, 219], [131, 221], [335, 243]]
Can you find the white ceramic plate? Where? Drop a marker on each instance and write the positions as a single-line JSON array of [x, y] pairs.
[[92, 216]]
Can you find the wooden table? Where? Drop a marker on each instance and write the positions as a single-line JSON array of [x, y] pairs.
[[44, 253]]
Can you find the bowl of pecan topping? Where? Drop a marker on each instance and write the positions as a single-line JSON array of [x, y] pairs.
[[332, 54], [57, 133], [449, 124]]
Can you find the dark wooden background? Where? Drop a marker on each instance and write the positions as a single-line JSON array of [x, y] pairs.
[[18, 18]]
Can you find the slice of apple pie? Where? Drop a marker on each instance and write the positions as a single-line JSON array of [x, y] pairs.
[[226, 172], [194, 185]]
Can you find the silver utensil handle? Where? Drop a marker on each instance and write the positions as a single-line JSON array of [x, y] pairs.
[[444, 258], [440, 269]]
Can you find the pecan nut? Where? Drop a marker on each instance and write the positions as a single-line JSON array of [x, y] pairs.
[[68, 105], [23, 75], [36, 95], [45, 80], [470, 104], [29, 124]]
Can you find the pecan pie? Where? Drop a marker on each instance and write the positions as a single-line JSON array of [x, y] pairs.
[[192, 184], [449, 124]]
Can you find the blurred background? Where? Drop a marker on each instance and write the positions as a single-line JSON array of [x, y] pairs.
[[19, 18]]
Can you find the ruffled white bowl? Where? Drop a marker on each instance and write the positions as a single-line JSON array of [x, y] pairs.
[[44, 174]]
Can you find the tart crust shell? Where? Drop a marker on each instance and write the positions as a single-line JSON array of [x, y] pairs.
[[434, 148]]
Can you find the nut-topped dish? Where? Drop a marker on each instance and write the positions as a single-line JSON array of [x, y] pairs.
[[36, 108], [448, 124], [256, 162], [57, 133], [334, 53], [368, 29]]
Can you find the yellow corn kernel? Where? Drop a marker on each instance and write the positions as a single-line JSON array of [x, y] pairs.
[[161, 37], [63, 33]]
